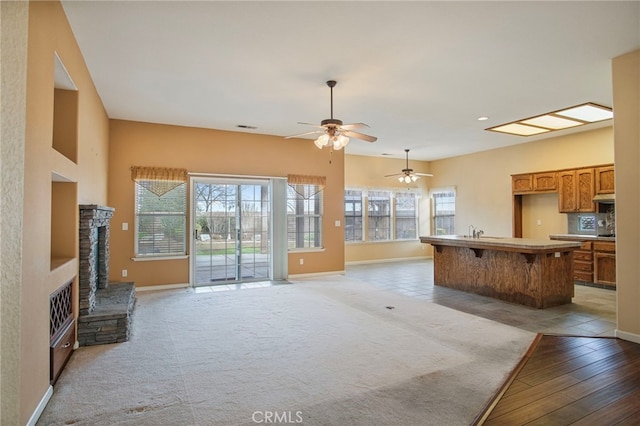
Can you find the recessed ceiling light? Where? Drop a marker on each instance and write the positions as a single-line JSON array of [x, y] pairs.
[[556, 120], [483, 118]]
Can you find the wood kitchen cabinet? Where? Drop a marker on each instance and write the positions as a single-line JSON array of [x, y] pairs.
[[604, 177], [583, 263], [576, 190], [522, 183], [534, 182], [545, 182], [604, 263]]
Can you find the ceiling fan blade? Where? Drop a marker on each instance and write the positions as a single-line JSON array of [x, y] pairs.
[[315, 132], [312, 125], [395, 174], [353, 126], [360, 136], [423, 174]]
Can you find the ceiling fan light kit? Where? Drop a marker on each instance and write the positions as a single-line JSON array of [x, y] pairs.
[[334, 133], [407, 175]]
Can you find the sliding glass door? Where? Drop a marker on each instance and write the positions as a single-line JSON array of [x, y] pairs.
[[231, 221]]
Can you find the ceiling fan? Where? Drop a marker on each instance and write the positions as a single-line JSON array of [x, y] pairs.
[[407, 175], [332, 132]]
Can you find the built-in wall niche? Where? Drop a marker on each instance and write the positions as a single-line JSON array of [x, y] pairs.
[[64, 206], [65, 112]]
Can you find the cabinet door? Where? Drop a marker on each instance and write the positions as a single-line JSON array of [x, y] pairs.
[[605, 268], [604, 180], [545, 181], [585, 190], [567, 191], [522, 183]]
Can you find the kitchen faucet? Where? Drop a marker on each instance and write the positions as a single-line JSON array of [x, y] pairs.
[[473, 233]]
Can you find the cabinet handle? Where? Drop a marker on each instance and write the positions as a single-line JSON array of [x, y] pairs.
[[66, 345]]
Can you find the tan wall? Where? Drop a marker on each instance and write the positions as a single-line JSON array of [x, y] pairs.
[[483, 181], [14, 20], [85, 182], [223, 153], [626, 100], [367, 173]]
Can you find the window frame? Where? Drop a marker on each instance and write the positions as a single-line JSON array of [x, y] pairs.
[[140, 254], [414, 218], [434, 208], [384, 195], [310, 191], [361, 216]]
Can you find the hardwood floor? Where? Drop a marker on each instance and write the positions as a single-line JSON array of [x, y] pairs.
[[571, 381]]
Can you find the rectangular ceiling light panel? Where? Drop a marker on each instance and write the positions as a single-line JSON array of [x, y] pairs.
[[588, 112], [557, 120], [519, 129]]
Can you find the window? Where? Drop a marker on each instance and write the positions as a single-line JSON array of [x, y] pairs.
[[160, 219], [379, 216], [406, 216], [444, 210], [352, 215], [390, 215], [304, 216]]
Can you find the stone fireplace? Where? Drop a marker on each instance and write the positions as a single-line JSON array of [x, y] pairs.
[[104, 308]]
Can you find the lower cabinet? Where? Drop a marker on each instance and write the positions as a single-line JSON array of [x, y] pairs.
[[583, 263], [594, 261], [61, 349], [604, 266]]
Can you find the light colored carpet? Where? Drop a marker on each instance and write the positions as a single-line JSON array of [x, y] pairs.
[[323, 351]]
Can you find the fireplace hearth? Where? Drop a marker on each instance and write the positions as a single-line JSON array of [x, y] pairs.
[[105, 308]]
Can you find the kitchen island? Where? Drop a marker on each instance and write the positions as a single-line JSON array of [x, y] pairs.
[[531, 272]]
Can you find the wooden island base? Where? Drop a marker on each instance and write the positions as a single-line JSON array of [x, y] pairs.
[[540, 277]]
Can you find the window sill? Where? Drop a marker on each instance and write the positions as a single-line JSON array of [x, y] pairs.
[[152, 258], [410, 240], [306, 250]]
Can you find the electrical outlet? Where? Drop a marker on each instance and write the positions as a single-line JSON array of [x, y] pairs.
[[302, 261], [539, 222], [125, 226], [124, 272]]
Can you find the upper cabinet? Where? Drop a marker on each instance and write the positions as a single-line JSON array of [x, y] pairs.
[[546, 181], [604, 180], [522, 183], [576, 190], [527, 183], [575, 187]]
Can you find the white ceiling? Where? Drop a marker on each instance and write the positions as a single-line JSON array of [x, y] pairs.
[[418, 73]]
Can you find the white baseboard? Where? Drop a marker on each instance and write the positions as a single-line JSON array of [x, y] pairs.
[[625, 335], [161, 287], [315, 274], [40, 408], [396, 259]]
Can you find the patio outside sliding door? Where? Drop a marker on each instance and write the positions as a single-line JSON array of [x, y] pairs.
[[231, 238]]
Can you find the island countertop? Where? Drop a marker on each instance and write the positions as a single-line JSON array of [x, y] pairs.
[[532, 272], [520, 245]]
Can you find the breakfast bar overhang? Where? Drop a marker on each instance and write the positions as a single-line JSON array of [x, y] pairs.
[[531, 272]]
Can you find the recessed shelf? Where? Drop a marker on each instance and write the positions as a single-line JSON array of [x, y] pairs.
[[65, 113]]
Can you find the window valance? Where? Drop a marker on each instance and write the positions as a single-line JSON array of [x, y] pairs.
[[294, 180], [320, 181], [158, 180]]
